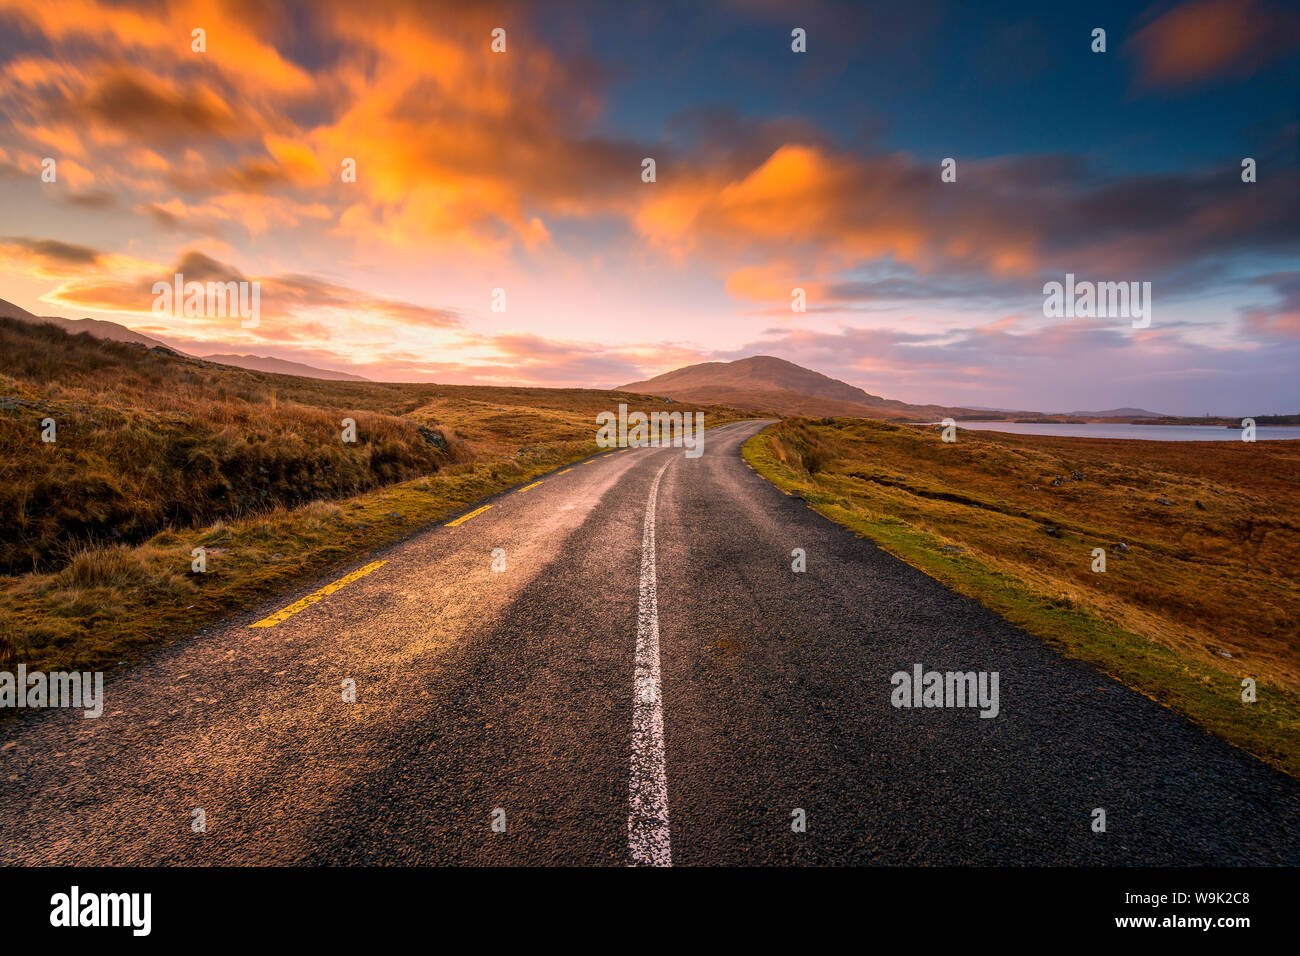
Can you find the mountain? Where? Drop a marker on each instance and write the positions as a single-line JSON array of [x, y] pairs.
[[262, 363], [762, 372], [1124, 413], [100, 329], [1119, 413], [96, 327], [763, 383]]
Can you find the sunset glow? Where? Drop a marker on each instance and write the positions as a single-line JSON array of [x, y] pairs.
[[522, 171]]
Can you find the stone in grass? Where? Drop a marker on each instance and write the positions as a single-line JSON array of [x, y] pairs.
[[434, 438]]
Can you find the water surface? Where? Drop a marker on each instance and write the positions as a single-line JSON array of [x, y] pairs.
[[1147, 432]]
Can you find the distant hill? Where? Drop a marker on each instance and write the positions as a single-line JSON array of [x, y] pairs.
[[96, 327], [111, 331], [1127, 414], [761, 372], [766, 384], [262, 363], [763, 383], [1118, 413]]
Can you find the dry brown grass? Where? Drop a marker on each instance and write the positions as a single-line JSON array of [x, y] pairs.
[[158, 454], [148, 441]]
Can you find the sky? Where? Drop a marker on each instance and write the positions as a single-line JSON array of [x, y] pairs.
[[522, 170]]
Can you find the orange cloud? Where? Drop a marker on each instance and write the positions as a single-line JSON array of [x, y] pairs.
[[468, 156], [52, 259], [481, 169], [765, 283], [454, 145], [809, 213], [1208, 38], [47, 258], [239, 42], [150, 109], [293, 308]]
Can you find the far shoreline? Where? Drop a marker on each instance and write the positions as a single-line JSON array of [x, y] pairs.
[[1125, 430]]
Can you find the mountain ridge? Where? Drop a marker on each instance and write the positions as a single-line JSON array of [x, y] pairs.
[[112, 331], [266, 363]]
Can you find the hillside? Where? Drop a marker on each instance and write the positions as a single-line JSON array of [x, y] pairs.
[[113, 332], [149, 439], [763, 383], [96, 328], [262, 363]]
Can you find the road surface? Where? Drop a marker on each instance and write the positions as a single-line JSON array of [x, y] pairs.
[[646, 681]]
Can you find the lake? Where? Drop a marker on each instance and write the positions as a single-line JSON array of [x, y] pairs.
[[1147, 432]]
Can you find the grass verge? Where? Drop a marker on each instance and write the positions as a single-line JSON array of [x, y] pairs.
[[111, 603]]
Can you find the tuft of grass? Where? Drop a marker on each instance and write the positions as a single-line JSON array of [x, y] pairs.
[[99, 567], [1192, 585]]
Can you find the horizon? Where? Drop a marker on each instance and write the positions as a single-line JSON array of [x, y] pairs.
[[775, 171], [210, 356]]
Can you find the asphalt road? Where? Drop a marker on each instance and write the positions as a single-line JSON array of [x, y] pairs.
[[633, 687]]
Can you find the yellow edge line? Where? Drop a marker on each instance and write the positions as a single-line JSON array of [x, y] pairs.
[[533, 485], [565, 472], [464, 518], [315, 596]]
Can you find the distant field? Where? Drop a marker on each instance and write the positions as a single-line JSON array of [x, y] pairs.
[[157, 454], [1201, 541]]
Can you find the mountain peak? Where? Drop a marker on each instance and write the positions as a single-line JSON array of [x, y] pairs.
[[767, 383]]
